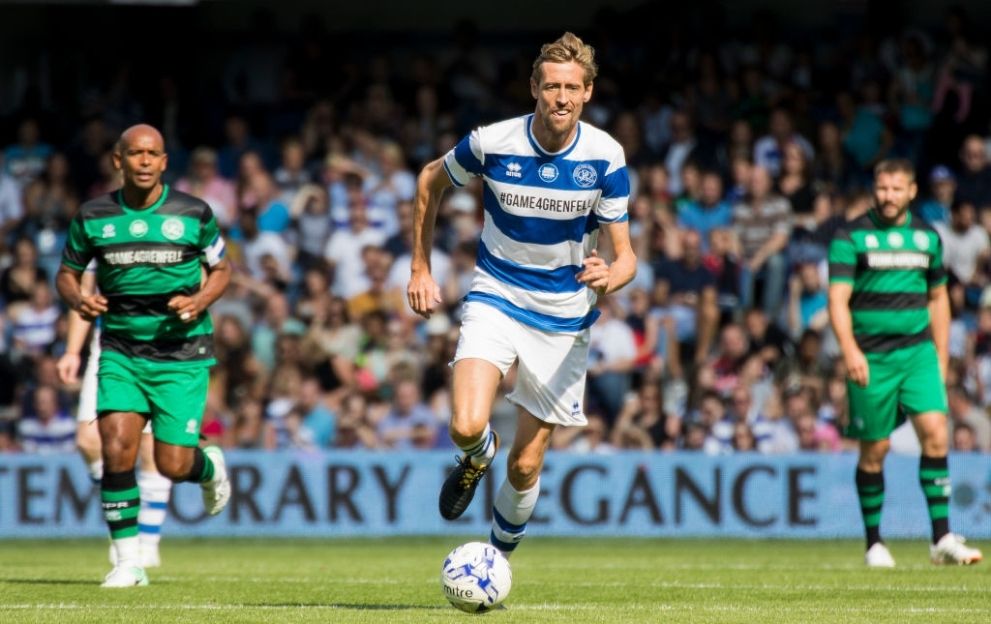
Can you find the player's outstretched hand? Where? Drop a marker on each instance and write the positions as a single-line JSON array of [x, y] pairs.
[[856, 368], [67, 368], [186, 308], [92, 306], [423, 293], [595, 273]]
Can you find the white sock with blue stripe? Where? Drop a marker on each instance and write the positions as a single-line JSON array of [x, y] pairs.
[[510, 513], [481, 451], [155, 490]]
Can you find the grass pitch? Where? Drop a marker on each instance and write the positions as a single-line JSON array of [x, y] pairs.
[[396, 580]]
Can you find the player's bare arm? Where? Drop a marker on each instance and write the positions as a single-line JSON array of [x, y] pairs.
[[842, 320], [939, 320], [422, 291], [68, 282], [68, 365], [189, 308], [604, 277]]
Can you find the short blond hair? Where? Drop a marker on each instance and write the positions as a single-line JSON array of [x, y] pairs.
[[569, 47]]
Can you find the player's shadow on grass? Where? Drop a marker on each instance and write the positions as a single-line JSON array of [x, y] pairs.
[[350, 606], [37, 581]]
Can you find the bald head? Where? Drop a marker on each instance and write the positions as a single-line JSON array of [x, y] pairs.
[[140, 156], [138, 133]]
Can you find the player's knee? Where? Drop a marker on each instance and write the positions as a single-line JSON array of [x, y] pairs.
[[465, 430], [172, 466], [937, 445]]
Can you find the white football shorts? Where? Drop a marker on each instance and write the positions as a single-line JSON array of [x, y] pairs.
[[86, 412], [550, 380]]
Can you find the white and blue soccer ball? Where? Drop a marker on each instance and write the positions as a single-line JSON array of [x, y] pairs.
[[476, 577]]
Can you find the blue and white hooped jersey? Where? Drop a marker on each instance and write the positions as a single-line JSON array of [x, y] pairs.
[[542, 216]]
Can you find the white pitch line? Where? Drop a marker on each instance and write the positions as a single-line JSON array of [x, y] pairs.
[[512, 607], [655, 582]]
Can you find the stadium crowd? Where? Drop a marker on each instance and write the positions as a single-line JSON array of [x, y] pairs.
[[746, 154]]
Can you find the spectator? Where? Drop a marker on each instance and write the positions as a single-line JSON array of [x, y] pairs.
[[974, 180], [394, 183], [691, 300], [11, 208], [710, 212], [966, 246], [769, 151], [273, 213], [646, 411], [612, 351], [354, 429], [408, 419], [833, 169], [25, 160], [964, 440], [765, 338], [204, 181], [592, 438], [34, 324], [280, 430], [727, 363], [963, 413], [795, 182], [679, 151], [317, 420], [377, 296], [807, 301], [292, 174], [743, 438], [718, 426], [344, 252], [943, 184], [866, 137], [763, 224], [18, 280], [254, 245], [239, 142], [48, 428], [310, 220]]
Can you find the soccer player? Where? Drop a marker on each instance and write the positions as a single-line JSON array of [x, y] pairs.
[[890, 310], [550, 183], [149, 242], [154, 489]]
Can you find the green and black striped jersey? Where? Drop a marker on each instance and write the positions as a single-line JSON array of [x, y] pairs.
[[892, 269], [143, 259]]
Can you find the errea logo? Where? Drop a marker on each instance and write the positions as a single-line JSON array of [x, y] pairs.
[[109, 231], [513, 170]]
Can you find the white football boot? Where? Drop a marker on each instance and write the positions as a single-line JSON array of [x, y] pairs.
[[950, 549], [125, 577], [216, 491], [878, 556]]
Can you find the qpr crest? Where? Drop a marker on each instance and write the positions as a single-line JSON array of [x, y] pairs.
[[584, 175], [173, 228], [548, 172]]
